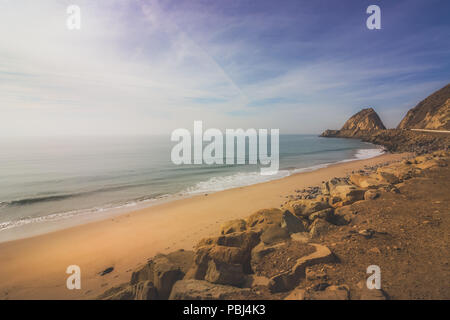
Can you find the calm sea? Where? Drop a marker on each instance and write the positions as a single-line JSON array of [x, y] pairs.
[[52, 179]]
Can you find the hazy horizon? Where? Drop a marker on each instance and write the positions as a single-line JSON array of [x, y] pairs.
[[149, 67]]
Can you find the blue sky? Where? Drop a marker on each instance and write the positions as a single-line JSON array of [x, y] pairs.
[[144, 67]]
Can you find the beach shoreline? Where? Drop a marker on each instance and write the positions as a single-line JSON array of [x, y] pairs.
[[31, 227], [34, 268]]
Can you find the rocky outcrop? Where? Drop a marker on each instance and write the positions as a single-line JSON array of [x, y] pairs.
[[203, 290], [155, 280], [431, 113], [366, 120], [395, 140]]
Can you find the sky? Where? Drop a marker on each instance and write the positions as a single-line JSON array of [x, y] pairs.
[[150, 67]]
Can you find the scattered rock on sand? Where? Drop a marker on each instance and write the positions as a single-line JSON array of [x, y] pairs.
[[106, 271]]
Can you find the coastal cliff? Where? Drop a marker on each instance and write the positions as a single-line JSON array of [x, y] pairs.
[[433, 113], [360, 124]]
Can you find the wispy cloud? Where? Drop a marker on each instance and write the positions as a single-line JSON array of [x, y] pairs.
[[152, 66]]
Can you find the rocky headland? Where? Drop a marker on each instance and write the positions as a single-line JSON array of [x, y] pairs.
[[433, 113]]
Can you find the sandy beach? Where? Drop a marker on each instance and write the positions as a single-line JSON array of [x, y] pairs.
[[34, 268]]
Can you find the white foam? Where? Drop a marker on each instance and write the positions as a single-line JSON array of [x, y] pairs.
[[368, 153], [240, 179], [214, 184], [73, 213]]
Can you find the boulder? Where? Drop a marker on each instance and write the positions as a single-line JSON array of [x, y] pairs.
[[274, 234], [365, 181], [326, 214], [387, 177], [264, 218], [162, 271], [288, 280], [229, 255], [398, 170], [296, 294], [348, 194], [232, 226], [233, 248], [143, 274], [144, 290], [203, 290], [344, 215], [303, 237], [328, 186], [253, 281], [292, 223], [319, 227], [165, 275], [330, 293], [262, 250], [371, 194], [245, 240], [305, 207], [224, 273]]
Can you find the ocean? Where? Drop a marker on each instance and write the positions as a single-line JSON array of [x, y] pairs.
[[45, 181]]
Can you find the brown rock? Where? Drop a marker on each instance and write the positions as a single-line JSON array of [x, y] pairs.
[[224, 273], [330, 293], [348, 194], [289, 279], [326, 214], [305, 207], [296, 294], [292, 223], [144, 290], [203, 290], [319, 227], [364, 181], [237, 225], [165, 275], [371, 194], [262, 219], [274, 234]]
